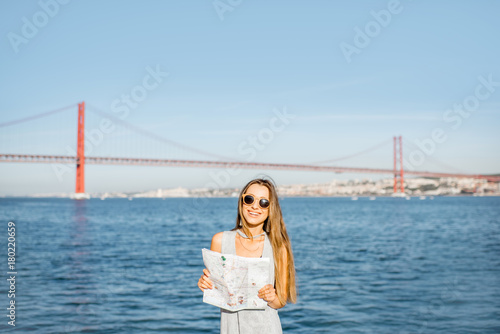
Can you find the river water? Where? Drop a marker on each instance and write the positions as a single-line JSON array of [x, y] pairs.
[[367, 266]]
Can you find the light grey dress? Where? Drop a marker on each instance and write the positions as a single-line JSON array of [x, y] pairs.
[[264, 321]]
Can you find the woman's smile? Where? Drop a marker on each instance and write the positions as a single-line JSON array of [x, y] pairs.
[[252, 213], [254, 216]]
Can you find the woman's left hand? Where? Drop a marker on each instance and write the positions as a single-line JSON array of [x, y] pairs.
[[268, 293]]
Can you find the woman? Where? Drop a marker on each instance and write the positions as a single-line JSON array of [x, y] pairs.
[[259, 232]]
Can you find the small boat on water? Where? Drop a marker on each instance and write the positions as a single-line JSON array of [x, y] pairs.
[[354, 198], [422, 198], [372, 198]]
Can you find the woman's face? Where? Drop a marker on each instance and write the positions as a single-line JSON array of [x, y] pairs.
[[254, 214]]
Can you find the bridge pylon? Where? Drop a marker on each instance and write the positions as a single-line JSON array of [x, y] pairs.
[[398, 140], [80, 154]]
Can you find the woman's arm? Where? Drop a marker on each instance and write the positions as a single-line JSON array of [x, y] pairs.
[[268, 292], [204, 282], [275, 304]]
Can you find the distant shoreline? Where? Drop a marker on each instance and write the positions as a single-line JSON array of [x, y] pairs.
[[284, 196], [413, 187]]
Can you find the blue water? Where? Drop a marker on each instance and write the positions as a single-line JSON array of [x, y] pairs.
[[383, 266]]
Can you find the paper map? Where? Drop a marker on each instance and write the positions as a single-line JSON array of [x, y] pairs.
[[236, 280]]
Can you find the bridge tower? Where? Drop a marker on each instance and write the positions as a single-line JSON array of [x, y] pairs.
[[80, 154], [398, 140]]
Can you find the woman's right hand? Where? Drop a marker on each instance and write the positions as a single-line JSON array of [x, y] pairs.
[[204, 282]]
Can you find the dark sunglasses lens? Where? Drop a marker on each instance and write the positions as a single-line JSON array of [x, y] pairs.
[[264, 203], [248, 199]]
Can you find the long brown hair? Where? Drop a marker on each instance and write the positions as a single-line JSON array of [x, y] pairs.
[[276, 231]]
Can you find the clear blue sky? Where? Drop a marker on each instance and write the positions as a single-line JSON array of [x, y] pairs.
[[229, 67]]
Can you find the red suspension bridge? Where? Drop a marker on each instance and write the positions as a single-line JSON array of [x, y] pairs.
[[79, 159]]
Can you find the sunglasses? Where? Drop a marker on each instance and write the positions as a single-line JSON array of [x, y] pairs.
[[250, 199]]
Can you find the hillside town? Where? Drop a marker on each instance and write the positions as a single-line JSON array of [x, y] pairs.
[[364, 187]]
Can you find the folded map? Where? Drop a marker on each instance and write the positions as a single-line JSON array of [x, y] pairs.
[[236, 280]]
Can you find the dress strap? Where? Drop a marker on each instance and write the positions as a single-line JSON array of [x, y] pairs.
[[228, 245]]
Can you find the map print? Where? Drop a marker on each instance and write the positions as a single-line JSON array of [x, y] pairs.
[[236, 280]]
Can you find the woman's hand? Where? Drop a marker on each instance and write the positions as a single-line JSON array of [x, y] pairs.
[[204, 282], [268, 293]]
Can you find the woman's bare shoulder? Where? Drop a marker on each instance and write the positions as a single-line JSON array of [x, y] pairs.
[[217, 242]]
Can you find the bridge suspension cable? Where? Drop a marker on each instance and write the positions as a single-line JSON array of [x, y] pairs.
[[40, 115], [154, 135], [435, 161], [372, 148]]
